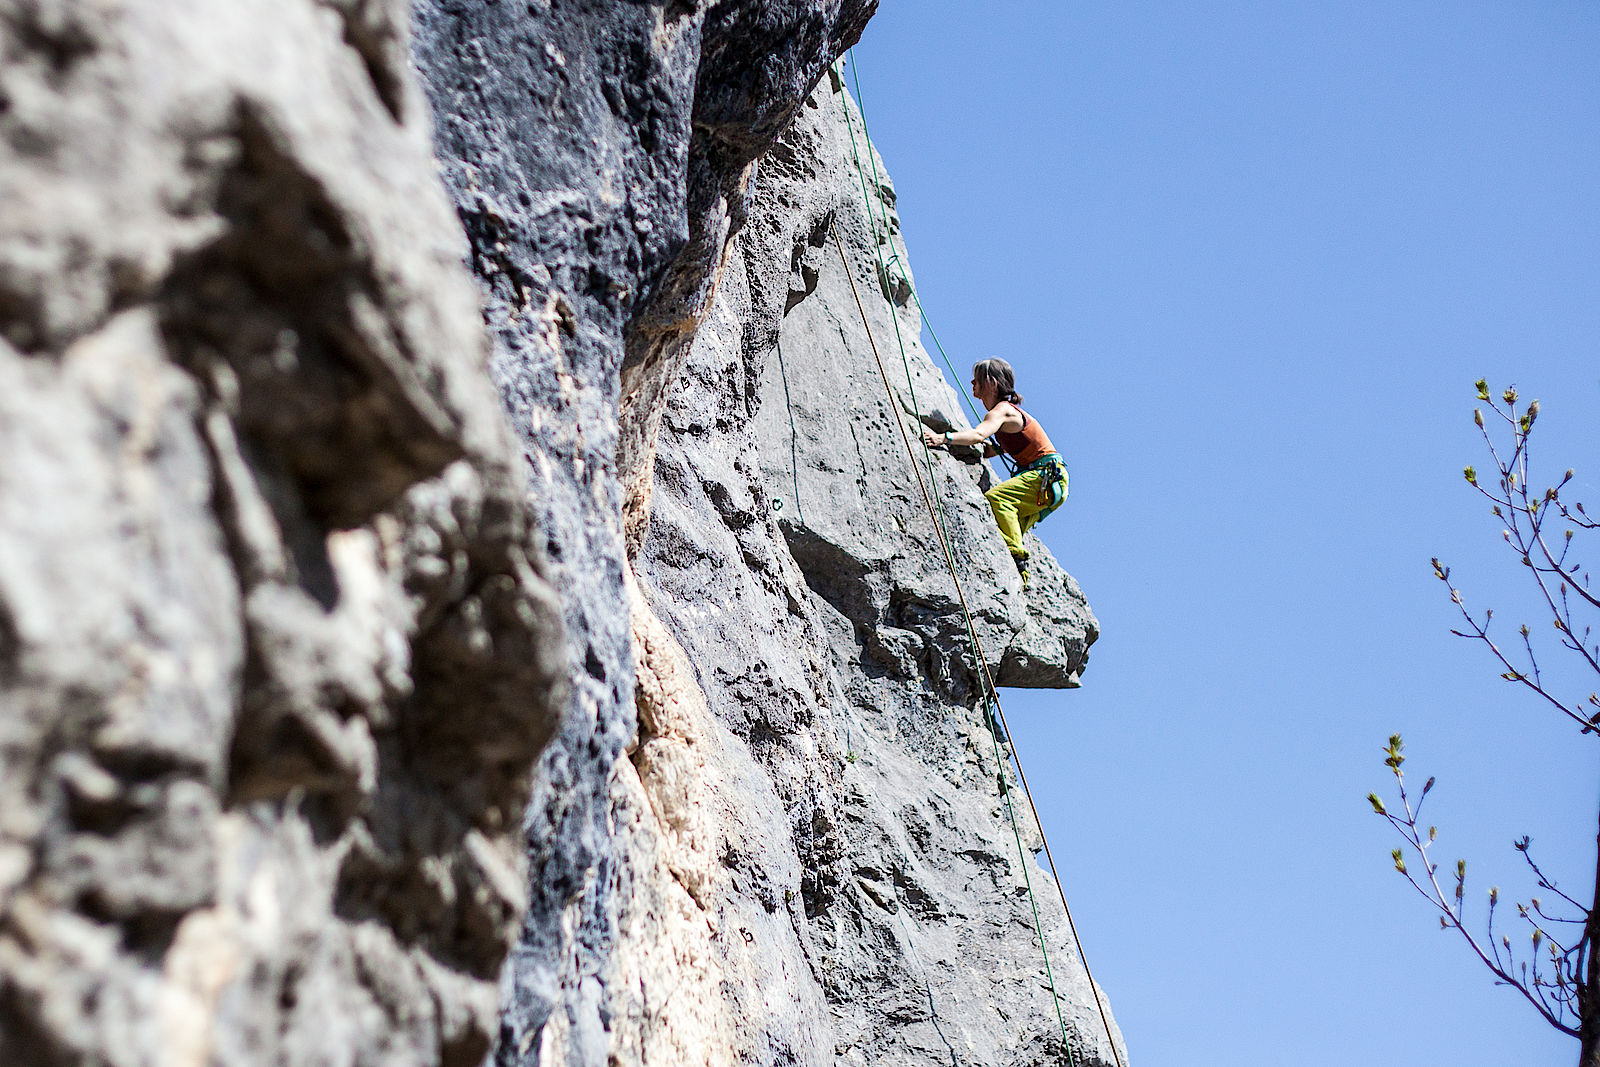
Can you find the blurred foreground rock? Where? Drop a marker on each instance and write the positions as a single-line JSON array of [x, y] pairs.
[[276, 651]]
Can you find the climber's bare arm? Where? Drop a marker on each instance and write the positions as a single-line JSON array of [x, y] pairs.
[[1002, 416]]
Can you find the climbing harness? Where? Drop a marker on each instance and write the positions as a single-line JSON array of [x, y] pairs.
[[1052, 482], [936, 515]]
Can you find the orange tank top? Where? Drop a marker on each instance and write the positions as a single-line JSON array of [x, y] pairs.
[[1025, 445]]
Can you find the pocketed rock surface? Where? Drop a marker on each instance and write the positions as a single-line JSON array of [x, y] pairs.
[[511, 632]]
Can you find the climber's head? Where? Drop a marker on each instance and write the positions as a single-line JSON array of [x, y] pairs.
[[993, 381]]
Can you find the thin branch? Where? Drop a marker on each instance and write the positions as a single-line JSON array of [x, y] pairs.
[[1513, 673], [1545, 883], [1408, 829]]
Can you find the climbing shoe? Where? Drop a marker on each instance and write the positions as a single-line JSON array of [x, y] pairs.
[[1022, 568]]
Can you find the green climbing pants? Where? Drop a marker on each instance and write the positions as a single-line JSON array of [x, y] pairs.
[[1020, 502]]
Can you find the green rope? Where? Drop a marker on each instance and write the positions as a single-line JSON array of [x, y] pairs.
[[877, 249], [922, 313], [941, 521], [942, 524], [955, 375], [972, 632], [883, 267]]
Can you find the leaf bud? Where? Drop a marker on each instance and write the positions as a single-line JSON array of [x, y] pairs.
[[1377, 804], [1477, 417], [1433, 834], [1533, 411], [1482, 385], [1510, 395], [1494, 895], [1471, 475]]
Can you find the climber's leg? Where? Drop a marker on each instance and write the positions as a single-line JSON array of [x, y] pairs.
[[1015, 503]]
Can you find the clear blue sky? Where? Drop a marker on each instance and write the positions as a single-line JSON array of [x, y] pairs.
[[1248, 259]]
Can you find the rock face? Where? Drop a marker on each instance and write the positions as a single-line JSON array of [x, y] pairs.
[[769, 830], [275, 648], [561, 670], [791, 555]]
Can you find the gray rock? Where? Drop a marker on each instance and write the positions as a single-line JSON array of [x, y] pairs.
[[598, 156], [303, 570], [791, 555], [275, 650]]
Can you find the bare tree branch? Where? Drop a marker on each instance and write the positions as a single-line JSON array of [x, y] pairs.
[[1558, 978]]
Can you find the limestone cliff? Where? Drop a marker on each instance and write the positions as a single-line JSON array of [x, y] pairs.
[[320, 564], [791, 556]]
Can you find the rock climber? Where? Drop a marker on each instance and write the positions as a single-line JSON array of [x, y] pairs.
[[1040, 483]]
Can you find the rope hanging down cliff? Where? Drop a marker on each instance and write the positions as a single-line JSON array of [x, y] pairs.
[[992, 699], [1037, 482], [991, 694]]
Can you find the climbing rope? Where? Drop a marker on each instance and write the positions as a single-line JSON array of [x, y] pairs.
[[877, 248], [1055, 997], [894, 257], [922, 315], [940, 524]]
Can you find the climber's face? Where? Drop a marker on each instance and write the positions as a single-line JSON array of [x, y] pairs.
[[986, 391]]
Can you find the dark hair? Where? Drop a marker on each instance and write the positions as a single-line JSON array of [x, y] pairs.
[[999, 372]]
